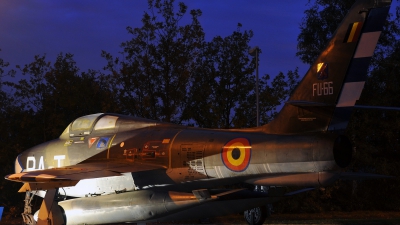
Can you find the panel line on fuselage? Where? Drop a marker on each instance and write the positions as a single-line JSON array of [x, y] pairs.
[[109, 146], [170, 149], [266, 167]]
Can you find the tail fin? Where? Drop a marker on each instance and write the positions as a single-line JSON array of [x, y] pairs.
[[326, 95]]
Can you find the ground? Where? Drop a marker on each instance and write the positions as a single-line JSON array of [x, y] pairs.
[[343, 218]]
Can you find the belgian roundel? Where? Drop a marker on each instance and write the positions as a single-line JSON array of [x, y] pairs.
[[236, 154]]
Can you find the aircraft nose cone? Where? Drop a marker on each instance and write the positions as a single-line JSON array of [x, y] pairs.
[[18, 166]]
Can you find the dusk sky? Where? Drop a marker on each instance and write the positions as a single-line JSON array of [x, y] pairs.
[[84, 28]]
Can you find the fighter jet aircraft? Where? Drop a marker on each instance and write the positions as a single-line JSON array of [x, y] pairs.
[[110, 168]]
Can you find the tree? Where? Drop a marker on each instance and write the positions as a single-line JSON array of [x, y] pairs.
[[223, 82], [12, 137], [374, 132], [154, 75], [55, 94], [40, 106], [170, 73], [29, 93], [73, 94], [322, 19], [275, 94], [4, 99], [318, 26]]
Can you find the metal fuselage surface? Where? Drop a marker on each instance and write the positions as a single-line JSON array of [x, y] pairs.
[[185, 160], [136, 170], [185, 154]]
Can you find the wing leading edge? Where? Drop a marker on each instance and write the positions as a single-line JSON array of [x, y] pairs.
[[71, 175]]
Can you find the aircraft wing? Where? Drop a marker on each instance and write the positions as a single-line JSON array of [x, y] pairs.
[[71, 175]]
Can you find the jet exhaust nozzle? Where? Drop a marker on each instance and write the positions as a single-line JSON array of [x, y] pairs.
[[342, 151]]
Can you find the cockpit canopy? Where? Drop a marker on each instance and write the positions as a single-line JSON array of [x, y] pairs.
[[84, 125], [104, 122]]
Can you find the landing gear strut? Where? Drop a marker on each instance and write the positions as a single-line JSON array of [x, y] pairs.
[[27, 215], [50, 213]]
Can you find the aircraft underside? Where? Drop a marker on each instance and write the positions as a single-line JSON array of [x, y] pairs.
[[161, 205]]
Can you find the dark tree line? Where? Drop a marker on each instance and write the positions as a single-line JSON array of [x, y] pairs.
[[167, 71], [375, 133]]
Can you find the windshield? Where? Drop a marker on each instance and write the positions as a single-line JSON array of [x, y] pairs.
[[84, 122], [106, 122]]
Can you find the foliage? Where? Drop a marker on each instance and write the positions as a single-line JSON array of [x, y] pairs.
[[12, 139], [275, 93], [222, 82], [322, 19], [167, 72], [375, 133], [39, 107], [56, 94], [155, 73]]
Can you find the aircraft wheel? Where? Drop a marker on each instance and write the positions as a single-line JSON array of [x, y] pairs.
[[259, 215], [64, 217]]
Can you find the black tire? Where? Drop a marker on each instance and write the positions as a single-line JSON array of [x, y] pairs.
[[63, 215], [260, 214]]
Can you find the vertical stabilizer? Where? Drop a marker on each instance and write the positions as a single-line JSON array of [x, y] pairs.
[[325, 97]]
